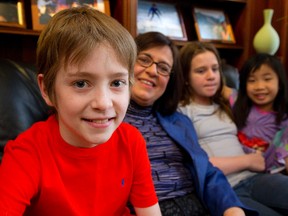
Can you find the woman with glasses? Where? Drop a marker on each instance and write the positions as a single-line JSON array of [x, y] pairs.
[[185, 181]]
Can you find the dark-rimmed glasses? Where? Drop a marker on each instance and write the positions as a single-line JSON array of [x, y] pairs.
[[146, 61]]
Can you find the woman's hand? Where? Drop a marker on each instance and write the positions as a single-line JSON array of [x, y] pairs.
[[234, 211]]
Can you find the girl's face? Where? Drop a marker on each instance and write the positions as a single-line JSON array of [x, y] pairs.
[[91, 99], [149, 85], [262, 87], [204, 77]]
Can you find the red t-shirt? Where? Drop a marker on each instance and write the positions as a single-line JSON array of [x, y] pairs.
[[43, 175]]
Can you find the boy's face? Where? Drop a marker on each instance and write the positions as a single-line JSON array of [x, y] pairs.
[[92, 99]]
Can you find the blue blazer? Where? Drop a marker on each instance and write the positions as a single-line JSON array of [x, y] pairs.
[[210, 183]]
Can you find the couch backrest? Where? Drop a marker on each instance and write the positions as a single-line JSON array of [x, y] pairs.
[[21, 103], [231, 75]]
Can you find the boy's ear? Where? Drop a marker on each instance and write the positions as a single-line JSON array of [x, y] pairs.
[[43, 91]]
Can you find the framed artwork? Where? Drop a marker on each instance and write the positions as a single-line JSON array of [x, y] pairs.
[[43, 10], [12, 13], [161, 17], [213, 25]]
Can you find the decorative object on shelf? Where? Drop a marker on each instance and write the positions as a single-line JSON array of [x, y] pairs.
[[43, 10], [266, 39], [12, 13], [161, 17], [213, 25]]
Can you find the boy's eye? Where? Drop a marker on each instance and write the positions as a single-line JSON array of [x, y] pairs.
[[118, 83], [80, 84]]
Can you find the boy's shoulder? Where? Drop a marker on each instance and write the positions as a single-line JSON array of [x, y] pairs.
[[39, 130], [129, 136], [35, 139], [128, 129]]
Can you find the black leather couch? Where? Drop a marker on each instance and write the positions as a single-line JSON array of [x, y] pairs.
[[21, 103]]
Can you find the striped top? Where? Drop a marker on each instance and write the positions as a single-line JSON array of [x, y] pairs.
[[171, 178]]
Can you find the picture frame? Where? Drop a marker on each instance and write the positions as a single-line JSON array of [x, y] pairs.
[[12, 13], [213, 25], [43, 10], [161, 17]]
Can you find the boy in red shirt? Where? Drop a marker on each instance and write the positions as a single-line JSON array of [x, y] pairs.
[[83, 160]]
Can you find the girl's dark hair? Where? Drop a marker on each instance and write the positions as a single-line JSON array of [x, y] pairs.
[[243, 103], [168, 102], [187, 53]]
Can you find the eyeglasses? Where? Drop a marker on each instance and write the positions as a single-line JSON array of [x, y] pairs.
[[162, 68]]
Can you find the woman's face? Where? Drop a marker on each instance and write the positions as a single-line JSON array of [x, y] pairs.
[[149, 85]]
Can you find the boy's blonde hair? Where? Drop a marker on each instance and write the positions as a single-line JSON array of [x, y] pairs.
[[72, 34]]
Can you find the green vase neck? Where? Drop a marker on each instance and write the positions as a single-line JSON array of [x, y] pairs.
[[268, 13]]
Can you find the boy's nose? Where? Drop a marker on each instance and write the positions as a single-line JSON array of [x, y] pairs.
[[101, 100]]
